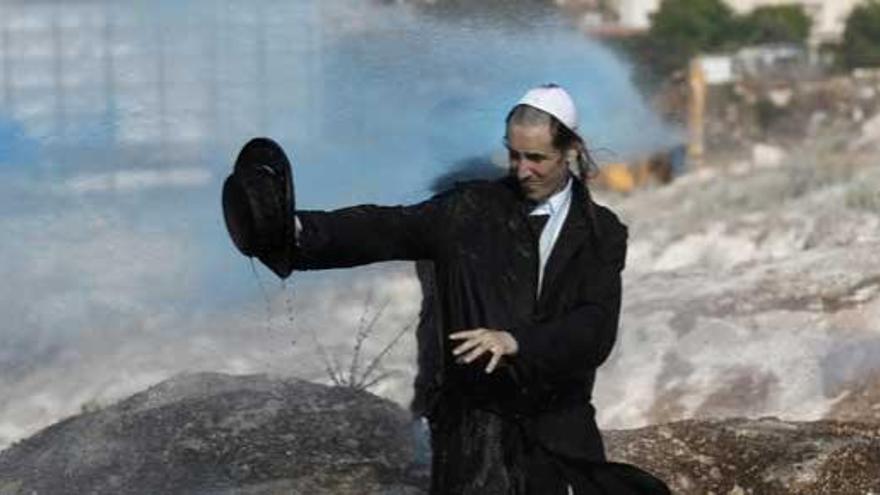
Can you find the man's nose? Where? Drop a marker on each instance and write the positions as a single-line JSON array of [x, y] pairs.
[[523, 170]]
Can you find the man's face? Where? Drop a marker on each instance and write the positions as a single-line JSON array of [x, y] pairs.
[[540, 168]]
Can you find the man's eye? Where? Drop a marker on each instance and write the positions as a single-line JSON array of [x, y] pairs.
[[535, 157]]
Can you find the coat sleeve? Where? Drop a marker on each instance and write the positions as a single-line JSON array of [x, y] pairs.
[[364, 234], [571, 345]]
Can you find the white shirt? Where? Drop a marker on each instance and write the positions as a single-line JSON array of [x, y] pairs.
[[557, 207]]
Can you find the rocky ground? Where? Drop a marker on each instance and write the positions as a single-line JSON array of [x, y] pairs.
[[739, 456], [752, 290], [211, 433]]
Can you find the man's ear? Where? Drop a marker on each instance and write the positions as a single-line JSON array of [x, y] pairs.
[[571, 158]]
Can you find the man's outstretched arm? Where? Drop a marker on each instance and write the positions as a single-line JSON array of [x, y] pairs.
[[364, 234]]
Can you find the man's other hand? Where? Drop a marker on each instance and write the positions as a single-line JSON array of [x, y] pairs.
[[481, 340]]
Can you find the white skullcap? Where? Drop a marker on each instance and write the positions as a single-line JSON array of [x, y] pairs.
[[554, 100]]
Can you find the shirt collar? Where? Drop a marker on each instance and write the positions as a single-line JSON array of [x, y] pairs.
[[552, 204]]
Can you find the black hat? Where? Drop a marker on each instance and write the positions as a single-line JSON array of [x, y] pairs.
[[259, 203]]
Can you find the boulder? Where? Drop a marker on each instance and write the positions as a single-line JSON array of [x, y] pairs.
[[213, 433]]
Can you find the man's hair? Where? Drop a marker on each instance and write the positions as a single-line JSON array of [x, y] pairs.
[[564, 139]]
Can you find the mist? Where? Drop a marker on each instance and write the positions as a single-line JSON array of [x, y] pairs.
[[119, 122]]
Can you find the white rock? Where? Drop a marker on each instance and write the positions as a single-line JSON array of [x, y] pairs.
[[781, 97], [766, 155], [870, 136]]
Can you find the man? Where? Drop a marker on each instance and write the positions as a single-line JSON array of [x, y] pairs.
[[527, 287]]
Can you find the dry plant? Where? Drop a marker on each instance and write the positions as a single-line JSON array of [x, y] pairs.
[[356, 375]]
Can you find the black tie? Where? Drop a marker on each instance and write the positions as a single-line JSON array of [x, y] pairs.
[[537, 222]]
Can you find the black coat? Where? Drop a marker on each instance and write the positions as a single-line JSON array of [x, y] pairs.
[[486, 271]]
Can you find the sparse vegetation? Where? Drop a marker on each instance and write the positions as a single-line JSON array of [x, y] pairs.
[[690, 26], [681, 29], [861, 37], [863, 197], [776, 24], [357, 375], [90, 406]]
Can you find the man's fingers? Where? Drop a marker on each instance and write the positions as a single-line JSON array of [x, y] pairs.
[[464, 346], [496, 358], [479, 341], [466, 334], [477, 352]]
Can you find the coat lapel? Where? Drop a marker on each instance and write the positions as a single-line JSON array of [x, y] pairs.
[[574, 234]]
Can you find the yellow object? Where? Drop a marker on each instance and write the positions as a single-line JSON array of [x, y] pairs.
[[696, 112], [617, 177]]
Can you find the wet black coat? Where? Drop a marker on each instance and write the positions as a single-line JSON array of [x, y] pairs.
[[486, 272]]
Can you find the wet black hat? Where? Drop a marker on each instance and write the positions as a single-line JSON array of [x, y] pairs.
[[258, 205]]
